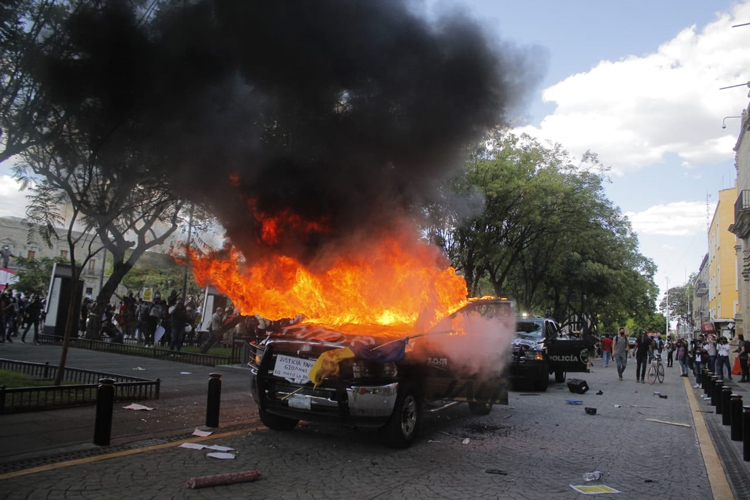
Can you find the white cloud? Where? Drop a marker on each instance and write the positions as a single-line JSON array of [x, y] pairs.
[[683, 218], [12, 201], [634, 111]]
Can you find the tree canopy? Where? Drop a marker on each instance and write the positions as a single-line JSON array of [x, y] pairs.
[[543, 232]]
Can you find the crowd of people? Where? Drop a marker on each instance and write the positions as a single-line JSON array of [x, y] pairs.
[[19, 313], [706, 351], [159, 321]]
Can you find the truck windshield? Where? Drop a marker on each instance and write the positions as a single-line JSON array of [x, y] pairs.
[[530, 330]]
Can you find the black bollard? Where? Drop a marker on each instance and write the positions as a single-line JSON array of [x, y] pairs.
[[716, 386], [735, 412], [726, 398], [214, 400], [746, 433], [105, 400]]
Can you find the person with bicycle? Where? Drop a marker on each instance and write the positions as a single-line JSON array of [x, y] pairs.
[[644, 351]]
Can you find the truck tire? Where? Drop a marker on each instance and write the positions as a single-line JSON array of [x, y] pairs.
[[276, 422], [560, 377], [478, 408], [541, 383], [402, 427]]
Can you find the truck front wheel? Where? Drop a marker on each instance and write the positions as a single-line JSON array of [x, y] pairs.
[[276, 422], [401, 429], [478, 408]]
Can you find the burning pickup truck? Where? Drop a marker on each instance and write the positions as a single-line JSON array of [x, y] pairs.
[[358, 377]]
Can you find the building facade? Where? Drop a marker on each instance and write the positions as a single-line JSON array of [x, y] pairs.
[[741, 226], [722, 265], [15, 235]]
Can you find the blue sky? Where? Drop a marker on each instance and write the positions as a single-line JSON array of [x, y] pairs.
[[636, 82]]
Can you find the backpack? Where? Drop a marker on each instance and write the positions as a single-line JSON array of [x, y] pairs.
[[155, 311]]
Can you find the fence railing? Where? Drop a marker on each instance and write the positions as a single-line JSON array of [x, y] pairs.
[[134, 349], [82, 393]]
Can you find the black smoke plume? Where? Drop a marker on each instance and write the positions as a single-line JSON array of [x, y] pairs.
[[348, 113]]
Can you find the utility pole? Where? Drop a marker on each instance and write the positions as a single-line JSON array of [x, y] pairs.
[[667, 308], [187, 253]]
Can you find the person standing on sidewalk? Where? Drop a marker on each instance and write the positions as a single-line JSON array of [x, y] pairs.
[[699, 358], [742, 350], [34, 310], [621, 348], [682, 356], [644, 349], [606, 350], [722, 358], [670, 350]]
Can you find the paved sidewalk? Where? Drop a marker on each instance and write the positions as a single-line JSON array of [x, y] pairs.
[[179, 410]]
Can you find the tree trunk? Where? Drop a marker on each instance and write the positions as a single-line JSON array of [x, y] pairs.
[[94, 327]]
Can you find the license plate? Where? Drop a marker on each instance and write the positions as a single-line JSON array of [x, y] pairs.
[[300, 402], [293, 369]]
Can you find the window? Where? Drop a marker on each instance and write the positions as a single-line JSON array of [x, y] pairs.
[[92, 266], [89, 290], [64, 254], [31, 254]]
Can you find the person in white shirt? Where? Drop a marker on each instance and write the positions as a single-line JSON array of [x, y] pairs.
[[722, 358]]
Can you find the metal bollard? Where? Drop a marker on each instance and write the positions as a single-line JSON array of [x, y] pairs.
[[735, 412], [726, 398], [214, 400], [705, 377], [716, 386], [746, 433], [105, 400]]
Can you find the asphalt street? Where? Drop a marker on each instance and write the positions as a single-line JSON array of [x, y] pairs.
[[539, 445]]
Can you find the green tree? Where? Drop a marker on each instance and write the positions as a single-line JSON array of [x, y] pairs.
[[34, 274], [545, 234]]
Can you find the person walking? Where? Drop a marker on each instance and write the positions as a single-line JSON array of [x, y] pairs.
[[644, 349], [606, 350], [34, 310], [178, 318], [699, 359], [722, 358], [742, 349], [670, 350], [711, 353], [682, 356], [620, 348]]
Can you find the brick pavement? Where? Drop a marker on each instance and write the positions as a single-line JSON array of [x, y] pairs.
[[534, 448]]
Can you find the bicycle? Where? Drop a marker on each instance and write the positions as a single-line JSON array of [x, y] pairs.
[[656, 370]]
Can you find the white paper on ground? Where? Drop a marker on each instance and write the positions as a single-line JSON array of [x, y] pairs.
[[192, 446], [221, 456], [136, 406], [186, 373], [216, 447], [198, 432]]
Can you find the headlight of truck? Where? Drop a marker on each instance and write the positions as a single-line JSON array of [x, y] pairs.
[[534, 356], [389, 370]]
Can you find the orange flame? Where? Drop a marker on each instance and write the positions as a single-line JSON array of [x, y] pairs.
[[381, 283]]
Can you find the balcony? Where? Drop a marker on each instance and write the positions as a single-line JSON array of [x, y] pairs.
[[741, 226], [701, 289]]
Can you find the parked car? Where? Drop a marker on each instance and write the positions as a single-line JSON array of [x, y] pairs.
[[364, 387]]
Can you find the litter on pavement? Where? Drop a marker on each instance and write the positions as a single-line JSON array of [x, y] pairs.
[[137, 407], [221, 455], [198, 432], [192, 446], [574, 401], [593, 490], [665, 422]]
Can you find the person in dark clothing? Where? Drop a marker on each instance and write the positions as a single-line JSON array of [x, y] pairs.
[[644, 349], [179, 317], [742, 350], [34, 312]]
